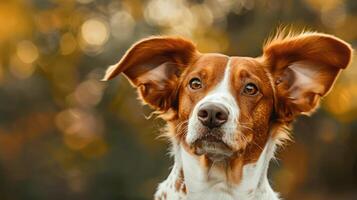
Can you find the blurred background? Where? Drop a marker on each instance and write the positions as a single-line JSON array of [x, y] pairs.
[[65, 135]]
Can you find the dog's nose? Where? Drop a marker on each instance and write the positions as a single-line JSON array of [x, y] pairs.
[[212, 115]]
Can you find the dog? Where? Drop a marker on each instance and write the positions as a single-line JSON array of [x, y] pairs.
[[226, 115]]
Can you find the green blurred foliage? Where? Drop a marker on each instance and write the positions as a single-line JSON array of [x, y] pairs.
[[66, 135]]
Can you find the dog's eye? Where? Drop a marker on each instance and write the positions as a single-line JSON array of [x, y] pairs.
[[195, 84], [250, 89]]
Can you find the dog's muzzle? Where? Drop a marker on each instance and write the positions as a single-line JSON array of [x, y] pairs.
[[212, 116]]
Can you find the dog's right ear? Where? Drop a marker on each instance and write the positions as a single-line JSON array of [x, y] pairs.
[[153, 66]]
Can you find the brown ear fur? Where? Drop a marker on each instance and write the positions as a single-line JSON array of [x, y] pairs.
[[304, 68], [153, 65]]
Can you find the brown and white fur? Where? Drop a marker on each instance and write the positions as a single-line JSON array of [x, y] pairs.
[[227, 114]]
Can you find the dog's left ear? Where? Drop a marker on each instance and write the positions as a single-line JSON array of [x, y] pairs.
[[153, 66], [304, 68]]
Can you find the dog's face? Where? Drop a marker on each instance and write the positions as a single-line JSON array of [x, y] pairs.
[[227, 102], [224, 108]]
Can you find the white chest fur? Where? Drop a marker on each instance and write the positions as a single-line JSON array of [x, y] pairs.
[[214, 185]]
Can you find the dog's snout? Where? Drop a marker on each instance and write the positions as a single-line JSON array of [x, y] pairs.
[[212, 115]]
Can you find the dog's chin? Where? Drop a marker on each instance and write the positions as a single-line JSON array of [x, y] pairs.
[[213, 147]]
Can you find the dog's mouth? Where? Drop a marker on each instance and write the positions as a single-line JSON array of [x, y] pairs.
[[212, 146]]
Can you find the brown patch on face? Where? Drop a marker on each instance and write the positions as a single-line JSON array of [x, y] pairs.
[[254, 114], [256, 110]]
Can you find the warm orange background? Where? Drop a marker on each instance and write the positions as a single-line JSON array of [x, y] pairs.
[[65, 135]]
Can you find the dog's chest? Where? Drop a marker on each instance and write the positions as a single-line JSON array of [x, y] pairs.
[[201, 185], [175, 188]]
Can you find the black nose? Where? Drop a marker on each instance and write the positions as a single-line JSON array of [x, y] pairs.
[[212, 115]]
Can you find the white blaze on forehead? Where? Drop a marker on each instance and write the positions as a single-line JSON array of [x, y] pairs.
[[220, 94], [222, 90]]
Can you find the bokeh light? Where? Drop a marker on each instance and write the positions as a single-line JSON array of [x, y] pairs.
[[95, 33], [89, 93], [122, 25], [19, 68], [27, 51]]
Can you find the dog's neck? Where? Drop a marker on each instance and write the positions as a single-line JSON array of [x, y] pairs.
[[200, 183]]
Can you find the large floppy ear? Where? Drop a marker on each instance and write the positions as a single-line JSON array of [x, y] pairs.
[[153, 66], [304, 67]]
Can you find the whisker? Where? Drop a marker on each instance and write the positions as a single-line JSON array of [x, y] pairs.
[[243, 126], [257, 145], [181, 128], [246, 123], [243, 137]]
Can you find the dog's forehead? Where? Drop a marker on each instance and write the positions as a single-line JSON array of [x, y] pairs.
[[214, 64], [247, 64], [209, 61]]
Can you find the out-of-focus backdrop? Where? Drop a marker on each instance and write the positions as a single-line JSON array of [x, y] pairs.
[[66, 135]]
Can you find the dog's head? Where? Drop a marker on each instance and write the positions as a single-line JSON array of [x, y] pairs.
[[224, 107]]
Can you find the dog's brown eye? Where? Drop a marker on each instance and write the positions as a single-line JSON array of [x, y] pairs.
[[250, 89], [195, 83]]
